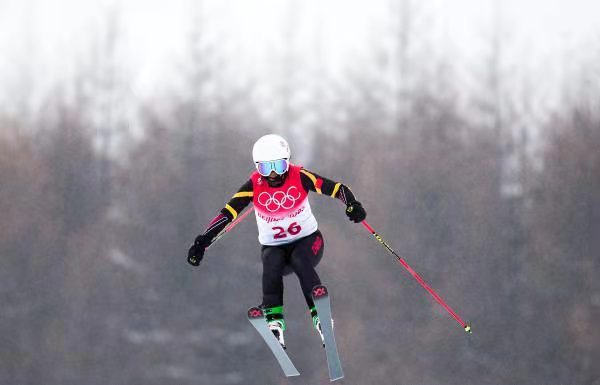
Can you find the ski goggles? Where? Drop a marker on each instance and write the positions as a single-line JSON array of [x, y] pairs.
[[280, 166]]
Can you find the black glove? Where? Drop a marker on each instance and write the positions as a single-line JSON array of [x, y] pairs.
[[196, 251], [355, 212]]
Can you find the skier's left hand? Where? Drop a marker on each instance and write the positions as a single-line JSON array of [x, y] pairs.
[[355, 212], [195, 254], [196, 251]]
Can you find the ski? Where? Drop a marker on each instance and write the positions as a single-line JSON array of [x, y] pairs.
[[257, 318], [320, 296]]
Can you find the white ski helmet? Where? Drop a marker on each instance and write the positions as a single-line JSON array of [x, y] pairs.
[[270, 147]]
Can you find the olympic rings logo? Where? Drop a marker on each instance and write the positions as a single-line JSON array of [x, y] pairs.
[[279, 199]]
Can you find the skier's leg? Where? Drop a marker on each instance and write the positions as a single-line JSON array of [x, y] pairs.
[[304, 257], [274, 261]]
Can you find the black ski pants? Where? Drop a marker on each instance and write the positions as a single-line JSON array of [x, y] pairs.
[[300, 257]]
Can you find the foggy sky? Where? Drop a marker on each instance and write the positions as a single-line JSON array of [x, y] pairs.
[[46, 41]]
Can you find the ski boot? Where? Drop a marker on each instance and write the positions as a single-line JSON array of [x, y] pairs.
[[276, 322], [317, 324]]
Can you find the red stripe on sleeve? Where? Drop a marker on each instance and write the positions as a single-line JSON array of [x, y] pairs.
[[215, 220], [319, 183]]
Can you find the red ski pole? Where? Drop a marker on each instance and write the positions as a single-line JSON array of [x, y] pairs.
[[231, 226], [421, 281]]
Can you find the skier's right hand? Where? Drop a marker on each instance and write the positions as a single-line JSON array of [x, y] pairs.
[[196, 251], [355, 212]]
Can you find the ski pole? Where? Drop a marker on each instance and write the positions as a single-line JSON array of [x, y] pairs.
[[231, 226], [421, 281]]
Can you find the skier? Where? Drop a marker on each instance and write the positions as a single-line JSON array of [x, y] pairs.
[[287, 229]]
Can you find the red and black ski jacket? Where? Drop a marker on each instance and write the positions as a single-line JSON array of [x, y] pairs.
[[243, 197]]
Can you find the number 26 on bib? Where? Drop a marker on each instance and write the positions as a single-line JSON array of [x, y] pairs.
[[293, 229]]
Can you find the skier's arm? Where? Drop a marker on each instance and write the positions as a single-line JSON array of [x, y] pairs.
[[325, 186], [237, 203]]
